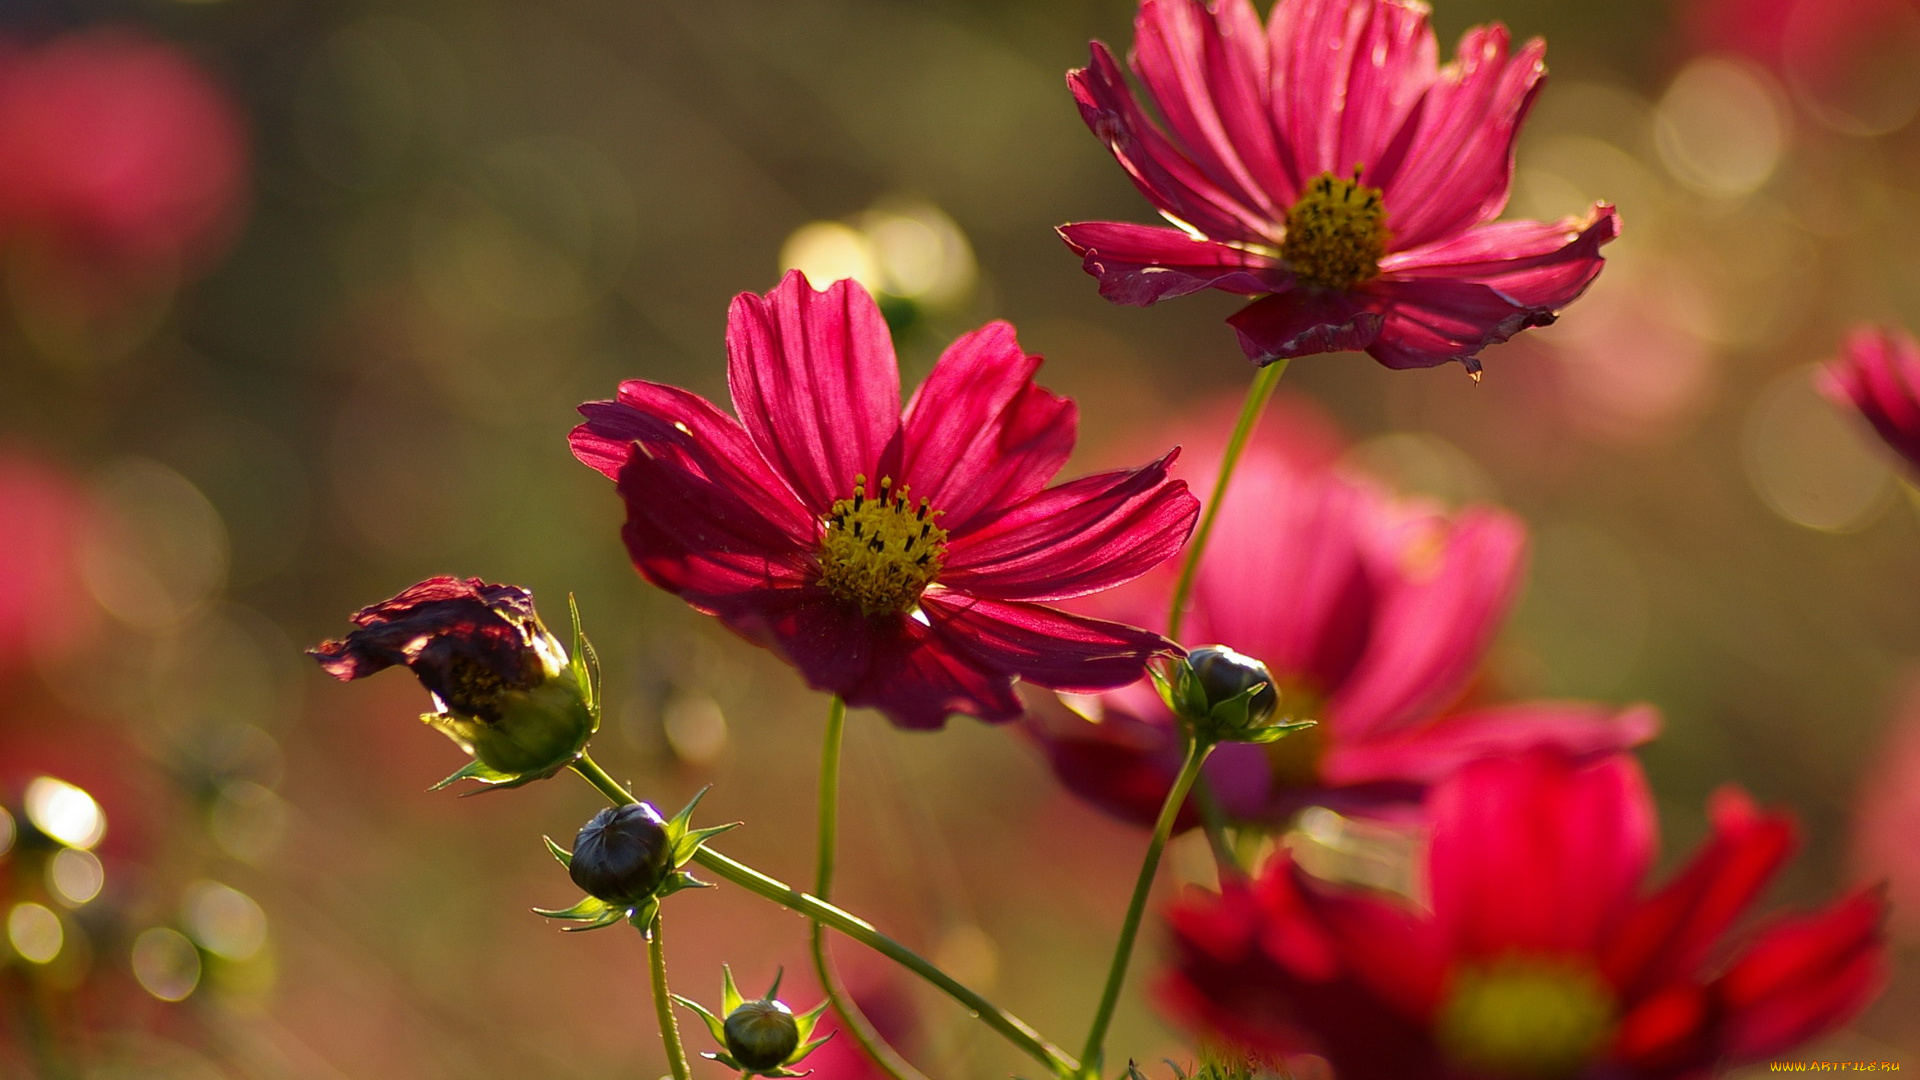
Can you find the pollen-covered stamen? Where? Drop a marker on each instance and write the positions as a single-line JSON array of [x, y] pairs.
[[1526, 1017], [1336, 233], [881, 552]]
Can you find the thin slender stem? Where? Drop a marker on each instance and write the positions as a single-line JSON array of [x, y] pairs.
[[1123, 951], [663, 1003], [1256, 403], [1214, 821], [1010, 1027], [855, 1021]]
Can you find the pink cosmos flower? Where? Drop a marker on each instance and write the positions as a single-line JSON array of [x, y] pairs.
[[1373, 614], [1326, 164], [1878, 374], [1538, 954], [121, 153], [898, 560]]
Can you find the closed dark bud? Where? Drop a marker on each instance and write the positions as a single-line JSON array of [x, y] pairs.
[[762, 1035], [1225, 674], [622, 855]]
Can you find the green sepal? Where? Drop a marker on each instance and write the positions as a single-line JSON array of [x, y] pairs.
[[1228, 719], [643, 915], [783, 1072], [730, 998], [688, 844], [804, 1023], [723, 1058], [592, 911], [584, 662], [565, 856], [715, 1026], [808, 1048], [1276, 732], [492, 779]]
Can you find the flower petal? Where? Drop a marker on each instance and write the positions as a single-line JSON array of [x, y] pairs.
[[1804, 977], [691, 533], [1536, 265], [1429, 635], [1145, 264], [1283, 965], [979, 436], [1124, 765], [1430, 753], [1303, 322], [1428, 321], [1163, 173], [1670, 934], [689, 431], [1047, 647], [919, 676], [815, 383], [1878, 374], [1536, 853], [1088, 534], [1207, 71], [1347, 75], [1459, 160], [829, 643]]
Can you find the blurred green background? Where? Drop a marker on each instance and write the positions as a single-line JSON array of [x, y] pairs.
[[460, 219]]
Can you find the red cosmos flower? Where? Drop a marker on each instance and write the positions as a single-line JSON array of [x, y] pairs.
[[1539, 956], [896, 560], [1327, 165], [1372, 613], [1878, 374], [120, 152]]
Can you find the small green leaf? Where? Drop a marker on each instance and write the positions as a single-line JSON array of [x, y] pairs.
[[565, 856], [682, 820], [723, 1059], [642, 917], [1161, 684], [486, 774], [1278, 732]]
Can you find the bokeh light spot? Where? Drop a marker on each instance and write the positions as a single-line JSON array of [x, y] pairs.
[[827, 251], [166, 963], [35, 933], [75, 876], [65, 812], [1720, 128], [695, 727], [225, 921], [1808, 464]]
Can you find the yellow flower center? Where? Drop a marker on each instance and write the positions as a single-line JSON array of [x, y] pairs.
[[1336, 233], [881, 552], [1527, 1017]]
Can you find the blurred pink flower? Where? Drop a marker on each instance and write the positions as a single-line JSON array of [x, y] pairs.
[[121, 153], [1877, 374], [900, 561], [44, 605], [1886, 829], [1538, 955], [1373, 613], [1327, 165], [1851, 63]]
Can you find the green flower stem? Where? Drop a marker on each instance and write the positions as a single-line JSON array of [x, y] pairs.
[[1256, 403], [663, 1003], [1213, 819], [855, 1021], [1123, 951], [1010, 1027]]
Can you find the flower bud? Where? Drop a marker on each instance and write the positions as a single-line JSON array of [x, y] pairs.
[[762, 1034], [504, 688], [1224, 696], [1225, 674], [622, 855]]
